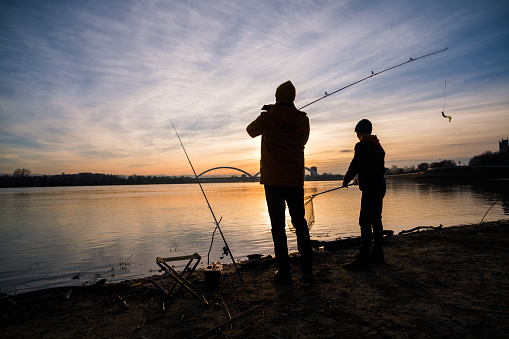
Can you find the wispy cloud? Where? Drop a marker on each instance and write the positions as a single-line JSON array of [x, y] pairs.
[[92, 87]]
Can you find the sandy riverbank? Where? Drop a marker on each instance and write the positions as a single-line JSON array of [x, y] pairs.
[[452, 282]]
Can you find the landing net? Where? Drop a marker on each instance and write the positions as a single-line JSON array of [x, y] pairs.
[[309, 214]]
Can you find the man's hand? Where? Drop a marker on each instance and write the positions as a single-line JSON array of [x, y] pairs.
[[345, 183]]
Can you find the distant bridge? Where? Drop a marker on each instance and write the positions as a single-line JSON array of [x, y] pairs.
[[311, 172], [232, 168]]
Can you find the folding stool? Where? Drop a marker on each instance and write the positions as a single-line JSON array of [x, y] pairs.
[[181, 279]]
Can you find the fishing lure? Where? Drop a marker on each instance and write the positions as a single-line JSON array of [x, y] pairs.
[[446, 116], [443, 108]]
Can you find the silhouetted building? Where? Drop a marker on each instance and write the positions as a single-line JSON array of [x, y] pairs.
[[503, 146], [314, 168]]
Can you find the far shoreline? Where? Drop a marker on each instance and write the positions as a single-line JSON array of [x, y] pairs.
[[454, 174]]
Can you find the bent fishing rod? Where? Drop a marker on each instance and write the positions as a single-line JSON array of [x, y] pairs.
[[370, 76], [227, 248]]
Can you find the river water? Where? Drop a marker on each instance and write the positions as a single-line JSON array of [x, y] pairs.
[[56, 236]]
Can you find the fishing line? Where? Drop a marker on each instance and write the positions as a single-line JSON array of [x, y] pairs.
[[443, 107], [370, 76], [445, 88], [212, 241], [226, 248]]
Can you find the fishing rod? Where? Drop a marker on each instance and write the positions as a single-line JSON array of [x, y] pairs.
[[226, 248], [333, 189], [370, 76], [309, 211]]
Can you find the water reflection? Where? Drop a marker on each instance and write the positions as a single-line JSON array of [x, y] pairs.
[[50, 235]]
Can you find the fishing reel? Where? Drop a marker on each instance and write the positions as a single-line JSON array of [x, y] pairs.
[[226, 251]]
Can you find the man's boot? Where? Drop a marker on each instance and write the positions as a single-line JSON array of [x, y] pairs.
[[361, 262], [376, 257], [283, 277]]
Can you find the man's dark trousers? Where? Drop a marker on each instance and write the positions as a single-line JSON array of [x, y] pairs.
[[276, 197]]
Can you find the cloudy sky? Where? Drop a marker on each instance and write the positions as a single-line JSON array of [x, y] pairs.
[[91, 86]]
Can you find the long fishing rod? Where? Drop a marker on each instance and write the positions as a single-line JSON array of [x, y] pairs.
[[372, 75], [208, 204]]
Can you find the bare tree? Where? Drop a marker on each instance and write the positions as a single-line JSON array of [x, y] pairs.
[[22, 173]]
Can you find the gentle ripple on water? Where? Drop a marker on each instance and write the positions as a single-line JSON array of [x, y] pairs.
[[50, 235]]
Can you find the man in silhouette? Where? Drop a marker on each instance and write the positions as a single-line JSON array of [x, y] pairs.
[[368, 164], [285, 132]]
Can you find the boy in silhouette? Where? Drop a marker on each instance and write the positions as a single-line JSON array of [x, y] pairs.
[[368, 165]]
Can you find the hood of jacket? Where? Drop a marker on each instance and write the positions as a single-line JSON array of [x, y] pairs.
[[286, 116], [372, 139]]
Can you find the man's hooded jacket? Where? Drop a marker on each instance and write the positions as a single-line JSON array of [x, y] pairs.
[[285, 132]]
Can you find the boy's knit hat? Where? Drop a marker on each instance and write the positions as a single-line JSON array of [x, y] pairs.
[[285, 93], [364, 126]]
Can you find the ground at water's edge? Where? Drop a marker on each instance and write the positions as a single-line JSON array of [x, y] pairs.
[[445, 283]]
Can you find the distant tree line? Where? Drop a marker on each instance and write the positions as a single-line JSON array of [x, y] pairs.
[[490, 158], [419, 168], [487, 158], [23, 178]]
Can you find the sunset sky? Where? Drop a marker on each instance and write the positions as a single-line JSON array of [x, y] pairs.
[[90, 86]]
